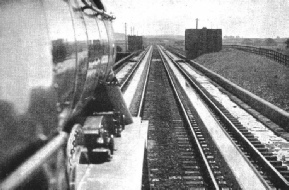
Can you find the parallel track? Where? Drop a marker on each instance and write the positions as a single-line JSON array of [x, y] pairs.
[[262, 158], [126, 79]]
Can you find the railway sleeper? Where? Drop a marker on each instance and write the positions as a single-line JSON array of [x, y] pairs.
[[201, 139], [276, 163], [204, 145], [217, 172], [212, 161], [191, 167], [222, 182], [215, 167], [194, 183], [220, 177], [198, 133], [247, 134], [255, 142], [186, 157], [193, 177], [281, 168], [184, 133], [196, 128], [189, 162], [186, 145], [179, 130], [182, 138], [210, 156], [185, 149], [252, 138], [243, 130], [206, 150], [193, 173], [285, 173], [233, 120], [194, 125], [271, 158], [264, 150], [192, 120], [259, 145], [187, 153]]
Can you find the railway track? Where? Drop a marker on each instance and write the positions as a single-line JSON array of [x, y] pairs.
[[127, 69], [183, 152], [179, 156], [262, 153]]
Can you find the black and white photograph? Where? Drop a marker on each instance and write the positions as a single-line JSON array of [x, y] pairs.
[[144, 94]]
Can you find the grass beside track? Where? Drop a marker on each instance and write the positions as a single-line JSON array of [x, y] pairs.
[[264, 77]]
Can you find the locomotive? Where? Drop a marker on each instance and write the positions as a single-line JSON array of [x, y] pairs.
[[56, 75]]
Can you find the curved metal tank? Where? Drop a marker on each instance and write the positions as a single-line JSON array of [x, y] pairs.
[[53, 56]]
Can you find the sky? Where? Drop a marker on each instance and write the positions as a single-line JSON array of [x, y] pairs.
[[244, 18]]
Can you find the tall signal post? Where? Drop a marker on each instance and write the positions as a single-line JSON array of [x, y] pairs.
[[125, 38]]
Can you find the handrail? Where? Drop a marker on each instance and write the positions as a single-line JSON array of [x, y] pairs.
[[24, 171]]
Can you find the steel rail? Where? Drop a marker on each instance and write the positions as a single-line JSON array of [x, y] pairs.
[[280, 180], [141, 104], [187, 120]]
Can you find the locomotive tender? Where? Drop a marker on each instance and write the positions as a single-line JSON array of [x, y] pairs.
[[56, 63]]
